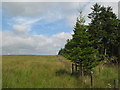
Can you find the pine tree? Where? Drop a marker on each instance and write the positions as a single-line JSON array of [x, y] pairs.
[[104, 29], [79, 49]]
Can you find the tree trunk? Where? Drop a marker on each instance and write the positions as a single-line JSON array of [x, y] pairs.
[[76, 67], [105, 51], [112, 51], [80, 70], [115, 83], [82, 75], [72, 68], [91, 80]]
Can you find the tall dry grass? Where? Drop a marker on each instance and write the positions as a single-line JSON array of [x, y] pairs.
[[49, 71]]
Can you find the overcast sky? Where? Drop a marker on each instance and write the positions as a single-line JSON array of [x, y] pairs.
[[41, 27]]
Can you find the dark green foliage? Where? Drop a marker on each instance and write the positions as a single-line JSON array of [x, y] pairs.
[[105, 30], [98, 41], [79, 49]]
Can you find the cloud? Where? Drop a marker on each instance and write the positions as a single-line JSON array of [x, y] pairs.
[[51, 12], [26, 8], [14, 43], [25, 15], [25, 20], [119, 10], [54, 10], [23, 24], [20, 28]]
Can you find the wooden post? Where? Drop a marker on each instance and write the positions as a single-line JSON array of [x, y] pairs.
[[91, 80], [72, 68], [115, 83]]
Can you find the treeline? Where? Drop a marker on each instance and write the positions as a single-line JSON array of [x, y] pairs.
[[93, 43]]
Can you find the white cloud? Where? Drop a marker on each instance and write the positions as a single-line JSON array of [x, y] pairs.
[[50, 12], [26, 8], [26, 21], [14, 43], [62, 35], [119, 10], [23, 24], [20, 28], [27, 14]]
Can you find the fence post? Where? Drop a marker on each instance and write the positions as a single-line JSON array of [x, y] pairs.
[[91, 80], [115, 83]]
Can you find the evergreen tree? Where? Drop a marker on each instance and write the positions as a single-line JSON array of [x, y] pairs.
[[79, 49], [104, 28]]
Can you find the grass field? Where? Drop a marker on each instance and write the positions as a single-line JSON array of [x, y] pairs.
[[49, 71]]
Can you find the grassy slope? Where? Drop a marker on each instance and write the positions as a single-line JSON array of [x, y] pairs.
[[46, 71]]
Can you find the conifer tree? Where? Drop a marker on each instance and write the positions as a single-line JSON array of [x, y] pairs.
[[79, 49], [104, 28]]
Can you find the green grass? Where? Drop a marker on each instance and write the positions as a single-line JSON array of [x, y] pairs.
[[48, 71], [106, 77]]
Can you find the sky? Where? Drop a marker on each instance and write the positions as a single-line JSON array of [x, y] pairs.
[[41, 28]]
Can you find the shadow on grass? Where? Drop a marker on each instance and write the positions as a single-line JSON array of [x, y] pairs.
[[61, 72]]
